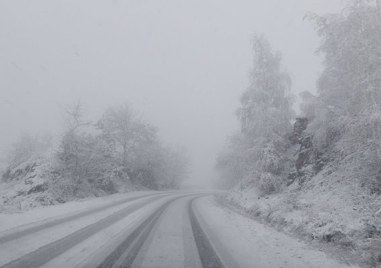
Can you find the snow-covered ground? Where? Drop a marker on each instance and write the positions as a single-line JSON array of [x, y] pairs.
[[125, 232], [331, 210], [13, 220], [95, 249], [243, 242]]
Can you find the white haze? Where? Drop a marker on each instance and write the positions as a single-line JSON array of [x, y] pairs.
[[182, 64]]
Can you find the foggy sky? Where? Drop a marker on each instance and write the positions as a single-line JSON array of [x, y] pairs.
[[181, 63]]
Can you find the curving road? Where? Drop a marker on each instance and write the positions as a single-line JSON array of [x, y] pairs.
[[155, 230], [164, 229]]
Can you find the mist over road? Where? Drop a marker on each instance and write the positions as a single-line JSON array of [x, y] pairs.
[[164, 229]]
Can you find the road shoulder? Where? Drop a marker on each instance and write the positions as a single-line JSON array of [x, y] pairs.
[[254, 244]]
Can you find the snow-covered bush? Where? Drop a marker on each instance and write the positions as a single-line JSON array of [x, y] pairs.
[[267, 182], [82, 163], [26, 148]]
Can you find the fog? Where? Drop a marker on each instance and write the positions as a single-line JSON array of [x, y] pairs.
[[181, 64]]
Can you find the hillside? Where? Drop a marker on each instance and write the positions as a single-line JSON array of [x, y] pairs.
[[324, 202], [36, 182], [321, 178]]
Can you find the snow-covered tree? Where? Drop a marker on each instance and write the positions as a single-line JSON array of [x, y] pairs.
[[351, 46], [74, 155], [128, 133], [265, 106], [265, 115], [139, 151], [345, 114]]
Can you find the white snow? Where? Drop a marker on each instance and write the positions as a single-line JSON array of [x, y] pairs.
[[12, 249], [331, 207], [256, 245], [43, 214], [92, 251], [171, 243], [238, 240]]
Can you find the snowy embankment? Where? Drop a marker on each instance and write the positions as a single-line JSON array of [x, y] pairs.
[[28, 187], [331, 209], [33, 183], [257, 245]]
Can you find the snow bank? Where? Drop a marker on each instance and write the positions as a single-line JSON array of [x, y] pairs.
[[331, 208], [262, 247]]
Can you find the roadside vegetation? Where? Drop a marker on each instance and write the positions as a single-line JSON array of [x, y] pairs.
[[321, 178], [119, 152]]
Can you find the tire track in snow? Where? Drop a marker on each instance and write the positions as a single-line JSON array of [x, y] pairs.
[[208, 256], [52, 250], [125, 254], [33, 229]]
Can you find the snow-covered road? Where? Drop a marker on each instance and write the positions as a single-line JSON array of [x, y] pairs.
[[162, 229]]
